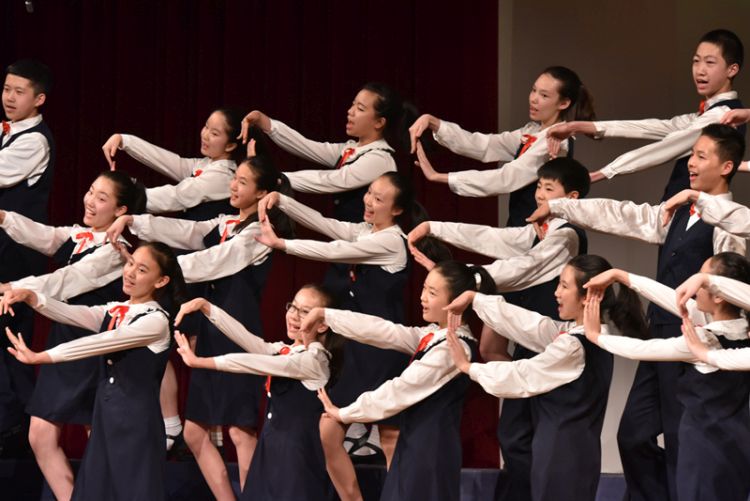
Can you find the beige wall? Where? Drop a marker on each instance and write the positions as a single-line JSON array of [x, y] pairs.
[[635, 57]]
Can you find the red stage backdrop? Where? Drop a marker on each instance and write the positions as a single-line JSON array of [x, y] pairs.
[[157, 70]]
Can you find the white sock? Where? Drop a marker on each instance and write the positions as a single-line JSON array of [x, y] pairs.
[[217, 437], [173, 427]]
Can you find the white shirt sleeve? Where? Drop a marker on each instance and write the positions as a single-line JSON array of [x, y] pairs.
[[498, 243], [419, 380], [677, 137], [85, 317], [294, 142], [510, 177], [212, 184], [23, 160], [145, 331], [332, 228], [654, 350], [234, 330], [726, 214], [665, 297], [726, 242], [309, 366], [561, 362], [525, 327], [161, 160], [730, 360], [731, 290], [178, 233], [40, 237], [383, 248], [483, 147], [225, 258], [623, 218], [375, 331], [369, 166], [538, 265], [93, 271]]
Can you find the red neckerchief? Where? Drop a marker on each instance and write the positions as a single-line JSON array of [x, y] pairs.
[[344, 156], [82, 238], [225, 233], [527, 141], [701, 107], [117, 313], [422, 344]]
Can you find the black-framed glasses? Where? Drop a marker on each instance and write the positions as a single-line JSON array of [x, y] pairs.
[[293, 309]]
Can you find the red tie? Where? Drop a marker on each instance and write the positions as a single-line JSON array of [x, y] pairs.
[[82, 238], [422, 344], [226, 229], [283, 351], [6, 128], [527, 140], [346, 154], [694, 211], [197, 173], [117, 313], [701, 108]]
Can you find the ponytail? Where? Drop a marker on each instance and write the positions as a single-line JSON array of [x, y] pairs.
[[571, 87], [461, 278], [129, 192], [399, 115], [333, 343], [172, 295], [269, 178]]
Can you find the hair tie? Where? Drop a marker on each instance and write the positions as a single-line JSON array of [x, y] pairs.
[[478, 279], [133, 180]]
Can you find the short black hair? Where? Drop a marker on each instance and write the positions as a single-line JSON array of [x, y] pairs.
[[730, 44], [37, 73], [568, 172], [730, 144]]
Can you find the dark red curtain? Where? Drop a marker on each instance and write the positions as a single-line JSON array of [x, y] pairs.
[[158, 68]]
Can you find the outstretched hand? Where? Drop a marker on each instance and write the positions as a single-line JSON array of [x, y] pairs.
[[330, 409], [254, 118], [694, 343], [454, 344], [592, 324], [675, 202], [459, 305], [22, 352], [110, 149], [736, 117], [267, 203], [268, 237], [191, 306], [688, 289]]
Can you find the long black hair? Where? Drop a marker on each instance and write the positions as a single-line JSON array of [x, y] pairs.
[[128, 191], [399, 115], [461, 278], [333, 343], [233, 125], [624, 309], [269, 178], [172, 295]]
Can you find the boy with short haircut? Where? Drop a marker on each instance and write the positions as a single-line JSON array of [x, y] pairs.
[[686, 242], [526, 271], [717, 61], [27, 153]]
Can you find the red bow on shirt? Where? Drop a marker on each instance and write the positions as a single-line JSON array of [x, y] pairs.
[[117, 313], [82, 238], [701, 108], [527, 140], [6, 128], [197, 173], [225, 233], [694, 211], [283, 351], [344, 156], [422, 344]]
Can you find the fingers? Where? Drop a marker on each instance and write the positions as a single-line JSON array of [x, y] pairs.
[[251, 148]]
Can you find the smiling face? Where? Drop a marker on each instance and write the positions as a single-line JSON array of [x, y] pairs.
[[570, 302], [545, 102], [362, 120], [380, 204], [215, 141], [243, 189], [435, 296], [550, 189], [19, 100], [711, 73], [706, 169], [100, 204], [305, 300], [141, 276], [704, 300]]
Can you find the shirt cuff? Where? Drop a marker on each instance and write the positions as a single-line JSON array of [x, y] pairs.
[[608, 172]]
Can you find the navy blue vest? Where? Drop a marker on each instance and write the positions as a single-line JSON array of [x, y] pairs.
[[112, 291], [349, 205], [679, 179], [681, 255]]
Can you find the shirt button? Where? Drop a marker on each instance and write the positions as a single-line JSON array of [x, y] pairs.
[[269, 415], [111, 380], [109, 361]]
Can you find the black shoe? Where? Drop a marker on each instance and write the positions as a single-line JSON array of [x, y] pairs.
[[179, 450]]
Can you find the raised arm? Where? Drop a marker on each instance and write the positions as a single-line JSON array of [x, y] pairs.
[[211, 185], [368, 166], [179, 233], [498, 243], [234, 330], [372, 330], [40, 237], [500, 147], [161, 160], [730, 216], [384, 248], [292, 141], [310, 366], [304, 215]]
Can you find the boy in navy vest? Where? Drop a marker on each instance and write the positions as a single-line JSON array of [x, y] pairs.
[[526, 271], [27, 155], [717, 60], [686, 242]]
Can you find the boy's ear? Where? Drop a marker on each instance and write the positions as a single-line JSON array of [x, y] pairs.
[[726, 168], [732, 70], [572, 194], [39, 99]]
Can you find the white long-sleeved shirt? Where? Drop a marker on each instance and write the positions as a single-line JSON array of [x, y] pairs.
[[638, 221], [561, 359], [519, 263], [502, 147], [418, 381], [354, 243], [675, 137], [151, 329], [363, 166], [673, 349], [310, 366], [28, 156], [725, 214], [198, 179], [236, 253], [94, 270]]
